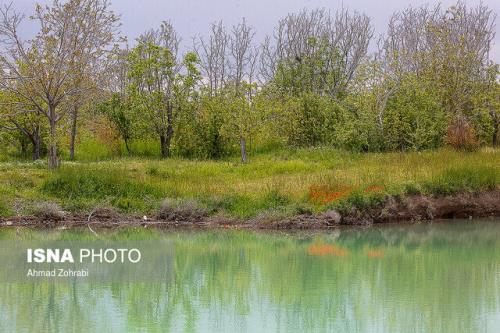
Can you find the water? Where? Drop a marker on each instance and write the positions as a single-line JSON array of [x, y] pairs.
[[441, 277]]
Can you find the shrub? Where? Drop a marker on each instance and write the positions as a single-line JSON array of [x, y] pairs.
[[200, 133], [362, 200], [461, 135], [273, 199], [49, 211], [412, 189], [414, 118], [306, 119]]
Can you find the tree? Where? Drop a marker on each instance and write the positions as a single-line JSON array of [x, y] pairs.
[[243, 62], [486, 102], [213, 55], [41, 72], [448, 47], [117, 110], [229, 61], [158, 87], [315, 51], [29, 125], [74, 105]]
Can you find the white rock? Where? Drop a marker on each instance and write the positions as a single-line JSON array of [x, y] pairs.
[[333, 216]]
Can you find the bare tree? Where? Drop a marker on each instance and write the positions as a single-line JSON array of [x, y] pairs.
[[341, 40], [450, 47], [229, 61], [243, 58], [409, 36], [213, 54], [114, 70], [41, 71]]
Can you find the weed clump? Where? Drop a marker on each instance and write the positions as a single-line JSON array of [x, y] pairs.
[[49, 211], [181, 209]]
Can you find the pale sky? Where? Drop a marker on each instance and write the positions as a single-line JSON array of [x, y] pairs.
[[191, 18]]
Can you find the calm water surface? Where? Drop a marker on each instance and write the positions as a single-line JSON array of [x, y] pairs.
[[441, 277]]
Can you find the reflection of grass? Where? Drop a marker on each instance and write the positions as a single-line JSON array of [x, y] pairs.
[[279, 182]]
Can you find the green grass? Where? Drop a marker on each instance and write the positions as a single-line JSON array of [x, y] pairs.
[[279, 182]]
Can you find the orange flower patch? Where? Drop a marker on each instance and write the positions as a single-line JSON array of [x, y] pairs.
[[375, 254], [324, 195], [326, 250]]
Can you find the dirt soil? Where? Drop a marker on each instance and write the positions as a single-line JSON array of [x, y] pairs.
[[395, 210]]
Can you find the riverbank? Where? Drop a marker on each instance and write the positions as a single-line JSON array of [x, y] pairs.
[[416, 208], [305, 188]]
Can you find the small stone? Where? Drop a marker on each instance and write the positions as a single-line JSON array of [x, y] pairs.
[[332, 216], [8, 223], [145, 218]]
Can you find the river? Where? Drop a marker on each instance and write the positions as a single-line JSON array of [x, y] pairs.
[[439, 277]]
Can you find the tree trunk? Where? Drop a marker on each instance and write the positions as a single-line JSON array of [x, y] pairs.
[[37, 144], [74, 119], [170, 125], [164, 146], [127, 146], [495, 133], [35, 153], [166, 139], [24, 145], [243, 146], [53, 160]]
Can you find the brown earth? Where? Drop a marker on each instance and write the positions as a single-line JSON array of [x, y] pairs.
[[395, 210]]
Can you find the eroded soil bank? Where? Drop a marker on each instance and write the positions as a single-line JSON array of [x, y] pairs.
[[395, 210]]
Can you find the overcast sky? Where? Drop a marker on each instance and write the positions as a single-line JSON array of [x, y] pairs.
[[192, 18]]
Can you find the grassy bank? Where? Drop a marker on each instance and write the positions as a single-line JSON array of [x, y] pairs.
[[284, 183]]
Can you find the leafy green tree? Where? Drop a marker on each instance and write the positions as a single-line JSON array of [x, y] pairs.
[[119, 112], [27, 124], [414, 118], [158, 88], [486, 104]]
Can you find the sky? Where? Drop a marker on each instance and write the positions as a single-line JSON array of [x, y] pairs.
[[192, 18]]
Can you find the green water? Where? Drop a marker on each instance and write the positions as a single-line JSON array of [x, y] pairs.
[[441, 277]]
